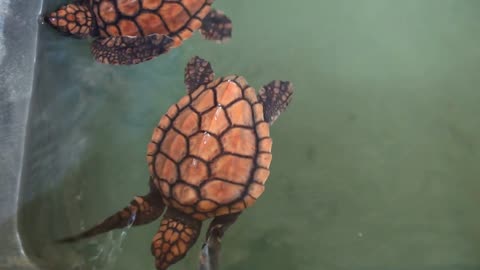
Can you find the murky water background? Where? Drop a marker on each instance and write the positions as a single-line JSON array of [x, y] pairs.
[[376, 162]]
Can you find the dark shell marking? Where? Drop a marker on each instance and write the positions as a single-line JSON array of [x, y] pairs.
[[175, 18], [210, 154]]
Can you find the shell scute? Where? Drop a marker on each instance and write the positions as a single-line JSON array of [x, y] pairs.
[[265, 145], [255, 190], [258, 113], [240, 113], [107, 11], [193, 6], [263, 130], [206, 206], [240, 141], [237, 207], [195, 24], [250, 94], [184, 194], [215, 121], [249, 200], [230, 78], [113, 30], [264, 160], [172, 111], [233, 168], [221, 192], [183, 102], [205, 146], [187, 122], [128, 28], [261, 175], [174, 145], [241, 81], [227, 92], [128, 7], [164, 122], [203, 12], [151, 4], [150, 23], [222, 211], [152, 148], [186, 34], [174, 15], [193, 171], [165, 168], [205, 101]]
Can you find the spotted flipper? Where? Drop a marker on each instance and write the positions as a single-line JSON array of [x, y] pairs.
[[197, 72], [177, 234], [211, 248], [216, 26], [142, 210], [275, 97], [123, 50]]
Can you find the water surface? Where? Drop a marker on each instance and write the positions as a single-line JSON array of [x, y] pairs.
[[375, 162]]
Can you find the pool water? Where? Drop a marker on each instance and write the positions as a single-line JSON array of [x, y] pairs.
[[375, 162]]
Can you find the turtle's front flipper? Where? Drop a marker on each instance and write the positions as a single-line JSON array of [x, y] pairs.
[[178, 232], [275, 97], [142, 210], [216, 26], [123, 50], [211, 248], [197, 72]]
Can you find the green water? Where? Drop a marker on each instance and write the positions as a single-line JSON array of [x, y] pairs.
[[375, 162]]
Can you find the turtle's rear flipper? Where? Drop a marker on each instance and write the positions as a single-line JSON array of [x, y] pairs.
[[176, 235], [123, 50], [216, 26], [142, 210], [275, 97], [209, 258]]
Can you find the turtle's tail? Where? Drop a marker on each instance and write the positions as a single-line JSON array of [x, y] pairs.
[[142, 210]]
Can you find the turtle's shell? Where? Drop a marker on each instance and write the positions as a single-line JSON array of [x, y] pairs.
[[210, 154], [175, 18]]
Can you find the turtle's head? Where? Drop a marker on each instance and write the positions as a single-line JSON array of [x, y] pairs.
[[74, 20]]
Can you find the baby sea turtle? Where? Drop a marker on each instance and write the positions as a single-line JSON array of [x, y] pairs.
[[209, 157], [133, 31]]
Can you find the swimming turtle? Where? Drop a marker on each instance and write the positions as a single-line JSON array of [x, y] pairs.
[[133, 31], [209, 157]]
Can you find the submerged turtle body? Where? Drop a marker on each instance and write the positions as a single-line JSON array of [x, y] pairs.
[[209, 156], [218, 141], [176, 19], [134, 31]]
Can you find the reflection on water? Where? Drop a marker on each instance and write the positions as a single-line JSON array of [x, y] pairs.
[[375, 162]]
